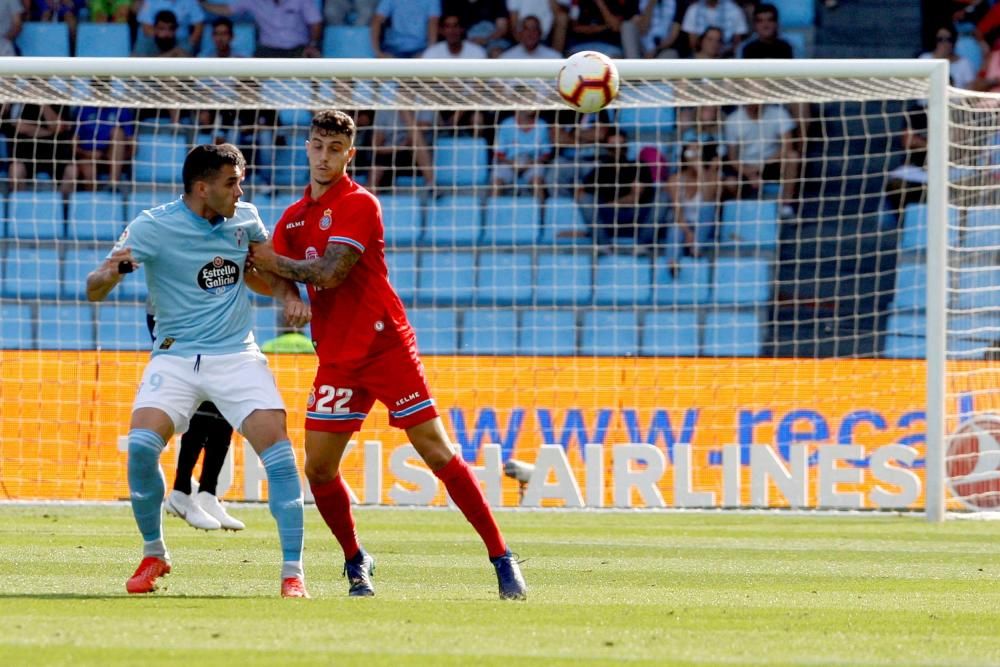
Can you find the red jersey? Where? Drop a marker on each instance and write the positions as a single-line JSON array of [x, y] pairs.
[[364, 310]]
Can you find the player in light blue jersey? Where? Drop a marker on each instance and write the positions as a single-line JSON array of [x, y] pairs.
[[194, 254]]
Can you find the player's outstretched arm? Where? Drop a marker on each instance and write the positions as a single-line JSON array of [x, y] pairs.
[[103, 279], [327, 271], [297, 312]]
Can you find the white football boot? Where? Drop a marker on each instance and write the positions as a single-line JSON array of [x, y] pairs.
[[213, 507], [184, 506]]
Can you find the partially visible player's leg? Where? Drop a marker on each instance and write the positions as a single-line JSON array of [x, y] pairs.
[[148, 433], [265, 429], [324, 451], [181, 502], [217, 436]]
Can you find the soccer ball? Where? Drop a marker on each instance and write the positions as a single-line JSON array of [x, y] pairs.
[[588, 81]]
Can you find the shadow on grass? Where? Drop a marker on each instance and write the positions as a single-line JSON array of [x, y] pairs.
[[125, 596]]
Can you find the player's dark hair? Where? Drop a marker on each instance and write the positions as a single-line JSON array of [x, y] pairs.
[[205, 161], [333, 121], [165, 16]]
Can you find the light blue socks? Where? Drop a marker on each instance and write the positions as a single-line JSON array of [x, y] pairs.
[[146, 488], [285, 500]]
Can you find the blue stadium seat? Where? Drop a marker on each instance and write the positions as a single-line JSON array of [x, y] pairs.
[[31, 273], [564, 279], [461, 162], [44, 38], [915, 227], [512, 221], [911, 287], [670, 333], [446, 278], [970, 335], [291, 167], [906, 336], [547, 332], [403, 218], [691, 284], [159, 158], [347, 41], [982, 229], [750, 225], [610, 333], [504, 279], [489, 331], [95, 216], [122, 326], [796, 13], [265, 322], [646, 125], [732, 334], [741, 281], [454, 220], [403, 273], [244, 40], [563, 221], [35, 215], [797, 40], [76, 264], [272, 208], [16, 327], [103, 40], [66, 326], [623, 280], [968, 47], [979, 288], [437, 332], [142, 199]]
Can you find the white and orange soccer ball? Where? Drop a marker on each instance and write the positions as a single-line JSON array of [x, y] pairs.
[[588, 81]]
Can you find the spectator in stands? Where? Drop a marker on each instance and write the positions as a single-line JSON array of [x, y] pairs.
[[285, 28], [760, 145], [765, 42], [486, 22], [960, 69], [617, 198], [110, 11], [222, 39], [552, 18], [412, 27], [104, 143], [701, 125], [529, 42], [398, 149], [524, 145], [454, 44], [608, 26], [660, 28], [336, 12], [724, 14], [43, 143], [189, 20], [67, 11], [907, 183], [11, 20], [164, 43], [695, 192], [708, 45], [577, 140]]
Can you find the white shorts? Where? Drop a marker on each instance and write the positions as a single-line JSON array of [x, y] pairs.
[[237, 383]]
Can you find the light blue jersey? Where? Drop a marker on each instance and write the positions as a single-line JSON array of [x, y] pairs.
[[194, 270]]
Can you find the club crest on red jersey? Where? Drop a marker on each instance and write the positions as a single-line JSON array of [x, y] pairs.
[[326, 220], [311, 401], [311, 253]]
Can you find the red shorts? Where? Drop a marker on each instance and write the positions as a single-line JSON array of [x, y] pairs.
[[342, 395]]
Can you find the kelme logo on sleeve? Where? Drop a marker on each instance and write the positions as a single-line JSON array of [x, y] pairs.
[[218, 276]]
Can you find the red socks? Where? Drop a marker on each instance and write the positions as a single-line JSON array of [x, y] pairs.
[[334, 505], [464, 489]]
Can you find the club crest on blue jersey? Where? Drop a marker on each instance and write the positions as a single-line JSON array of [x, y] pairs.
[[326, 220], [240, 235], [219, 276]]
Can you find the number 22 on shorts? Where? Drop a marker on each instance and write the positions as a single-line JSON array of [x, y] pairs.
[[326, 394]]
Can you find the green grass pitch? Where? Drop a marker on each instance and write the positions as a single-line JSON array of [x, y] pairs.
[[605, 588]]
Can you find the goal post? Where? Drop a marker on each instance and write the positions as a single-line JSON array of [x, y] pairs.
[[744, 333]]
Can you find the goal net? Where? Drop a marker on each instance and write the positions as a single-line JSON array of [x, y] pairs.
[[711, 294]]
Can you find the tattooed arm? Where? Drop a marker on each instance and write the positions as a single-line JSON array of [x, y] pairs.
[[327, 271]]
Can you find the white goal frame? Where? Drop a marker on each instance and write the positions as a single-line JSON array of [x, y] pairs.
[[934, 71]]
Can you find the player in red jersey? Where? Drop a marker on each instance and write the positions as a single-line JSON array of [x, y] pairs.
[[333, 240]]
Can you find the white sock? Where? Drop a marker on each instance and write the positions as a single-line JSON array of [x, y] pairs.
[[292, 568], [155, 548]]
